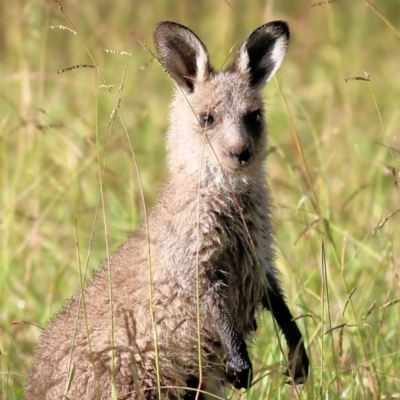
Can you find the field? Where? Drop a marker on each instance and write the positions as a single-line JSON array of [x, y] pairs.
[[333, 166]]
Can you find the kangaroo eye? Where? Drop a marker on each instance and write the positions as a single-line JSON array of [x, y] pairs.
[[253, 119], [206, 120]]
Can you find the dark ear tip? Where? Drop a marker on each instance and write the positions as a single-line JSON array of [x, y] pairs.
[[278, 27], [166, 28], [162, 27], [167, 25]]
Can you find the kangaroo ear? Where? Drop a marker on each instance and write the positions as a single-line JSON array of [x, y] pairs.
[[182, 53], [262, 52]]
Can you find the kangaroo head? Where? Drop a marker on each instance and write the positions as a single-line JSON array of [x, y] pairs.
[[217, 118]]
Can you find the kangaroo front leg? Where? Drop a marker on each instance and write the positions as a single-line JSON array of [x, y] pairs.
[[238, 368], [298, 361]]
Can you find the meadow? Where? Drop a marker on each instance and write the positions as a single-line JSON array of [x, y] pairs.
[[74, 143]]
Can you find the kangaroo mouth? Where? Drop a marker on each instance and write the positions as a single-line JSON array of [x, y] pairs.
[[248, 167], [234, 162], [235, 166]]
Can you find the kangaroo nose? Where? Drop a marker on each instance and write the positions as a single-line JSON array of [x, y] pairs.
[[243, 155]]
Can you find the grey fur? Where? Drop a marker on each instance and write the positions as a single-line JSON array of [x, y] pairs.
[[212, 223]]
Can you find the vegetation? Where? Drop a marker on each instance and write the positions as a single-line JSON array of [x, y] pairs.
[[70, 192]]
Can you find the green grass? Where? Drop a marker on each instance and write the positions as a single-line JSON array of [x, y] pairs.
[[333, 143]]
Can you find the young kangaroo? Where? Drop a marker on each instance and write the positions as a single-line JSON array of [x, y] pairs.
[[209, 241]]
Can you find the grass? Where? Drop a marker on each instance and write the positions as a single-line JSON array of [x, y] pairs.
[[333, 171]]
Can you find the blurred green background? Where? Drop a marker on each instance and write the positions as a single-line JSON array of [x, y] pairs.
[[333, 170]]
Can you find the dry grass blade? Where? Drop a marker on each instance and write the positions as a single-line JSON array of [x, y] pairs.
[[20, 322], [389, 304], [340, 341], [59, 5], [227, 56], [61, 27], [60, 71], [147, 50], [306, 229], [108, 87], [300, 150], [357, 78], [236, 13], [117, 107], [394, 173], [369, 311], [386, 219], [335, 328], [114, 113], [352, 291], [323, 3], [353, 195], [391, 148], [382, 17], [117, 52], [342, 256], [327, 308], [303, 316], [121, 86], [70, 379], [49, 126]]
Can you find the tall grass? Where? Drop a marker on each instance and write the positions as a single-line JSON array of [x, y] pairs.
[[333, 169]]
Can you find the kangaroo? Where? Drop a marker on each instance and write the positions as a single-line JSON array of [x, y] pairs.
[[180, 333]]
